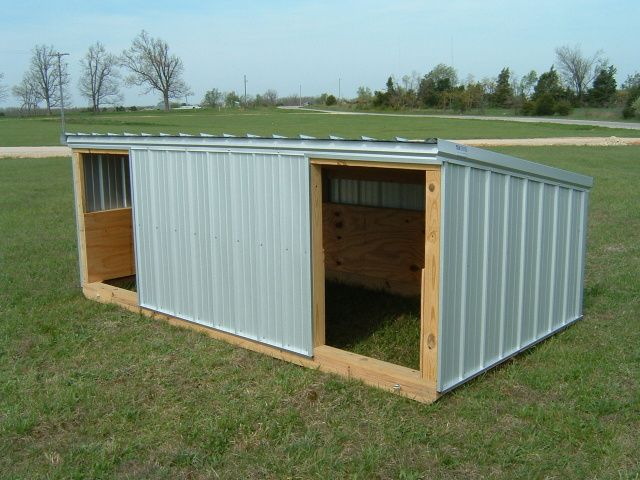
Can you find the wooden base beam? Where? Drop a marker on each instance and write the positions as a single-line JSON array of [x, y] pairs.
[[400, 380]]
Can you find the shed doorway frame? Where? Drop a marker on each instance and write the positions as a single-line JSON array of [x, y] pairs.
[[359, 366]]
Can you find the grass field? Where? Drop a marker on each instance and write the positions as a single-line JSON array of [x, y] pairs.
[[91, 391], [612, 114], [46, 130]]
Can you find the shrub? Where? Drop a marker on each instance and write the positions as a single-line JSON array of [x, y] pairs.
[[628, 111], [545, 105], [528, 108], [133, 108], [563, 107], [636, 106], [331, 100]]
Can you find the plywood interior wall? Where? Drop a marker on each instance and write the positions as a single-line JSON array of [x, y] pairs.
[[109, 244], [381, 248]]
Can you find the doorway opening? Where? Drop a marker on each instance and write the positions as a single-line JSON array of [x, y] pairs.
[[373, 244]]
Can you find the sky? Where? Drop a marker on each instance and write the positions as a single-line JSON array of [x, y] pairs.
[[321, 46]]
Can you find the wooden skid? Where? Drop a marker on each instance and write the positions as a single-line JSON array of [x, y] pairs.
[[394, 378]]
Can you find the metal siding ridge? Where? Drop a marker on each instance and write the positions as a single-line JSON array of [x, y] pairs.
[[552, 272], [583, 251], [485, 267], [503, 266], [463, 280], [523, 230], [567, 264]]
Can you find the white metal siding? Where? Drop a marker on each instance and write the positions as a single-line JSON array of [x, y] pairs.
[[106, 181], [223, 239], [512, 267], [369, 193]]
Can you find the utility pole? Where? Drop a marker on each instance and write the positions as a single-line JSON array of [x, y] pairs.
[[245, 91], [300, 95], [62, 127], [339, 89]]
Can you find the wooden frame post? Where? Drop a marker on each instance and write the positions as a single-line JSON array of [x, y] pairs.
[[431, 279], [78, 188], [317, 256]]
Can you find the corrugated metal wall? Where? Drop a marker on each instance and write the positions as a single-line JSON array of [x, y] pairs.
[[106, 181], [377, 194], [223, 239], [512, 267]]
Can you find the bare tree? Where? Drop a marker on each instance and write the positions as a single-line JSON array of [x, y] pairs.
[[99, 78], [3, 89], [27, 92], [153, 67], [577, 70], [270, 97], [44, 75]]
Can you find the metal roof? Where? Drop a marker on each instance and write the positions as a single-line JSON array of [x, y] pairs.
[[400, 150]]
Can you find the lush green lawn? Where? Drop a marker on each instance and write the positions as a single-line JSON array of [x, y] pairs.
[[612, 114], [46, 130], [90, 391]]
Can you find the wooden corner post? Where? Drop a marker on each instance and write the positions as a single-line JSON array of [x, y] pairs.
[[431, 279], [78, 189], [317, 256]]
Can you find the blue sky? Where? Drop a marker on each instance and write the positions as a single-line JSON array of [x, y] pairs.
[[283, 44]]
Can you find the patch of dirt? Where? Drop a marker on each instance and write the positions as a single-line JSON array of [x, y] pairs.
[[539, 142], [35, 152]]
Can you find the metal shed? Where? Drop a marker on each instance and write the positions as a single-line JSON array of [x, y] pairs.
[[236, 236]]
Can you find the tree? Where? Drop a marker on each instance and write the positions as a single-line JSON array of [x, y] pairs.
[[364, 96], [632, 81], [548, 84], [3, 89], [27, 92], [154, 68], [577, 70], [99, 78], [231, 99], [44, 75], [212, 98], [442, 78], [503, 94], [631, 87], [604, 87], [270, 97], [527, 83]]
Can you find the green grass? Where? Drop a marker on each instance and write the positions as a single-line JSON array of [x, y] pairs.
[[91, 391], [612, 114], [45, 130], [373, 323]]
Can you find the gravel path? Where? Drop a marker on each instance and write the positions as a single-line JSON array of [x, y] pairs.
[[35, 152], [60, 151]]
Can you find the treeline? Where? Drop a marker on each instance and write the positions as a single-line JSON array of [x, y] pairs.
[[215, 98], [574, 81], [147, 62]]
